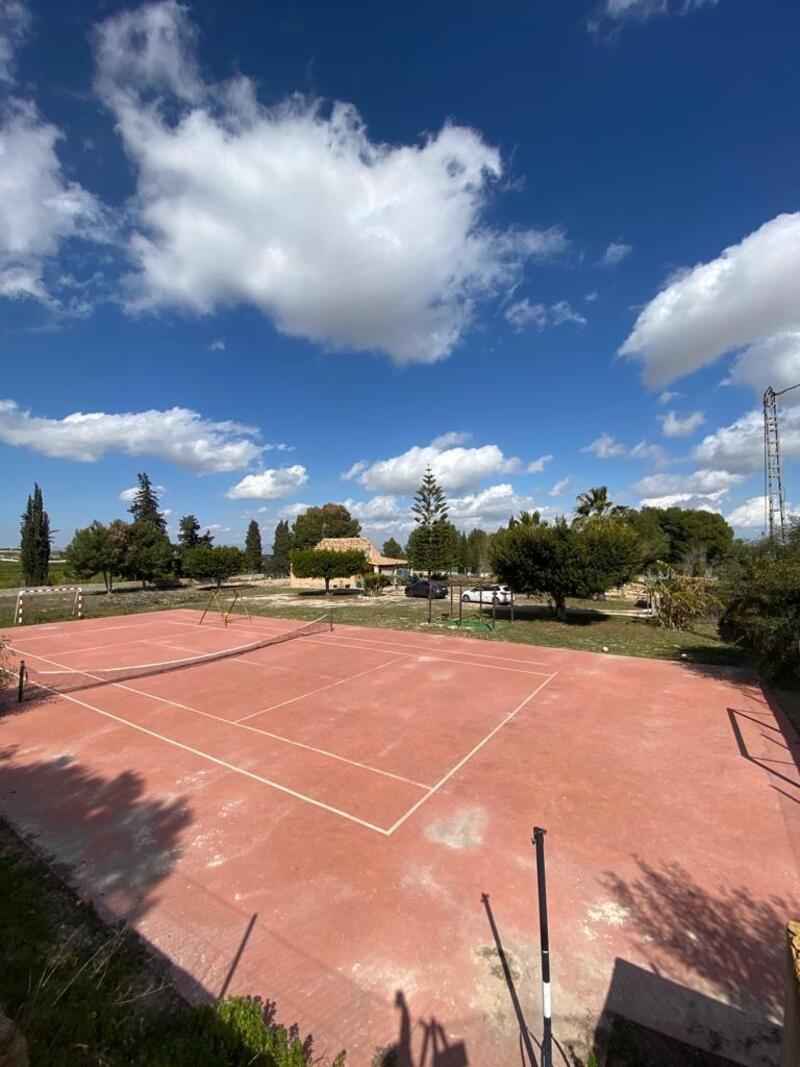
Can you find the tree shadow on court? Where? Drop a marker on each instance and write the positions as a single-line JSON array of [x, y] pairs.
[[725, 937], [105, 836]]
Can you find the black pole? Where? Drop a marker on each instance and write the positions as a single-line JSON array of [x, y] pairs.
[[544, 939], [21, 682]]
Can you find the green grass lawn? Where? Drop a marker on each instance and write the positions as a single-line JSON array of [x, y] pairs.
[[11, 574], [586, 629]]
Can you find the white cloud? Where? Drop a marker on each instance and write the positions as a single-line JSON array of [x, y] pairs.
[[523, 313], [452, 437], [749, 515], [294, 210], [605, 447], [774, 361], [39, 208], [750, 293], [612, 14], [712, 484], [559, 487], [536, 466], [672, 425], [129, 495], [269, 484], [455, 468], [695, 501], [739, 447], [218, 345], [14, 24], [177, 435], [615, 253], [489, 507], [666, 396], [590, 297]]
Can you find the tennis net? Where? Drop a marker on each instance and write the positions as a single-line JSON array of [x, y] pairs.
[[69, 679]]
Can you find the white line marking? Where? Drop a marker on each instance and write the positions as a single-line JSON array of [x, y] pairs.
[[435, 789], [220, 762], [100, 648], [322, 688], [268, 733], [424, 655], [83, 629]]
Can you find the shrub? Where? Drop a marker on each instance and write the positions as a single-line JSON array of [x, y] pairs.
[[679, 599], [763, 607], [376, 583]]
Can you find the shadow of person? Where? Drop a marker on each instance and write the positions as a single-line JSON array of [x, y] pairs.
[[435, 1051]]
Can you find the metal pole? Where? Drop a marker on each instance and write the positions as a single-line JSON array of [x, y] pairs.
[[460, 603], [21, 682], [544, 939], [512, 607]]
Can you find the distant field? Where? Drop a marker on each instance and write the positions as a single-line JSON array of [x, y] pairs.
[[11, 574]]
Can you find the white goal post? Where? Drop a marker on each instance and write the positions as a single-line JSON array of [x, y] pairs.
[[24, 606]]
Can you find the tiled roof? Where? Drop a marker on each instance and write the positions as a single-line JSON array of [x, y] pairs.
[[360, 544]]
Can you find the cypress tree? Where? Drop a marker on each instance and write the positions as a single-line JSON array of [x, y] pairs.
[[35, 540], [281, 548], [252, 548], [430, 546], [188, 532]]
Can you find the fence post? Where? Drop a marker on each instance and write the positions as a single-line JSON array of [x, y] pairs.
[[21, 682]]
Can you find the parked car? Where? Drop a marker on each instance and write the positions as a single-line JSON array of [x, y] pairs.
[[419, 587], [487, 594]]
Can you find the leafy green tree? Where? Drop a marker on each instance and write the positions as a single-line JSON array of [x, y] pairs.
[[209, 563], [252, 548], [281, 547], [652, 538], [327, 564], [144, 507], [97, 549], [477, 551], [562, 560], [330, 520], [35, 540], [392, 549], [149, 556]]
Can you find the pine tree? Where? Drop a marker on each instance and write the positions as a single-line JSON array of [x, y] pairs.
[[145, 504], [252, 548], [188, 532], [281, 547], [430, 546], [392, 549], [35, 540]]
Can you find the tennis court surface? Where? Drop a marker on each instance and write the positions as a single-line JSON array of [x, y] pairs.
[[341, 821]]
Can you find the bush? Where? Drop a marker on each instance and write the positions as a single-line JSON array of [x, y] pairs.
[[763, 607], [374, 584], [679, 600], [213, 563]]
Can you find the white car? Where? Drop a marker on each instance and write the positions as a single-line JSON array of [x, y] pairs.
[[487, 594]]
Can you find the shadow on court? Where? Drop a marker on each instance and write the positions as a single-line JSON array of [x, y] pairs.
[[102, 833], [435, 1049]]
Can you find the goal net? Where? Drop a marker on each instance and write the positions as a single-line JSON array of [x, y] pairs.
[[48, 604]]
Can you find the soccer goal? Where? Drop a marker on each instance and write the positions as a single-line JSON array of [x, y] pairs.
[[47, 603], [220, 609]]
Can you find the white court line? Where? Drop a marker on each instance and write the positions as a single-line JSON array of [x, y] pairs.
[[435, 789], [219, 762], [82, 629], [430, 655], [322, 688], [276, 737], [229, 722], [100, 648], [241, 659]]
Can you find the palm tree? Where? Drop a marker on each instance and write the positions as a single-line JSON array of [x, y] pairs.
[[595, 503], [526, 518]]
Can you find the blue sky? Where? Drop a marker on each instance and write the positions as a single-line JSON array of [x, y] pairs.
[[279, 254]]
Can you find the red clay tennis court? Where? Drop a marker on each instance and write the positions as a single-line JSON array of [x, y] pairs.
[[341, 821]]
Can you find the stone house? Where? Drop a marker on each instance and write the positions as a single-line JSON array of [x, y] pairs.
[[394, 568]]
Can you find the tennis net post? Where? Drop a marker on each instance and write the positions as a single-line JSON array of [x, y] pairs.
[[21, 682]]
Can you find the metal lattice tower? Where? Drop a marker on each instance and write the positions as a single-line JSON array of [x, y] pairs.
[[774, 501]]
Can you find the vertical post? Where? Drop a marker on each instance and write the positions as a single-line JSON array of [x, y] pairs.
[[512, 607], [480, 598], [460, 603], [79, 604], [544, 939], [18, 612], [21, 682], [494, 612], [330, 618], [451, 598]]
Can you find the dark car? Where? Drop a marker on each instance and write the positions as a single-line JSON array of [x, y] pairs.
[[419, 587]]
